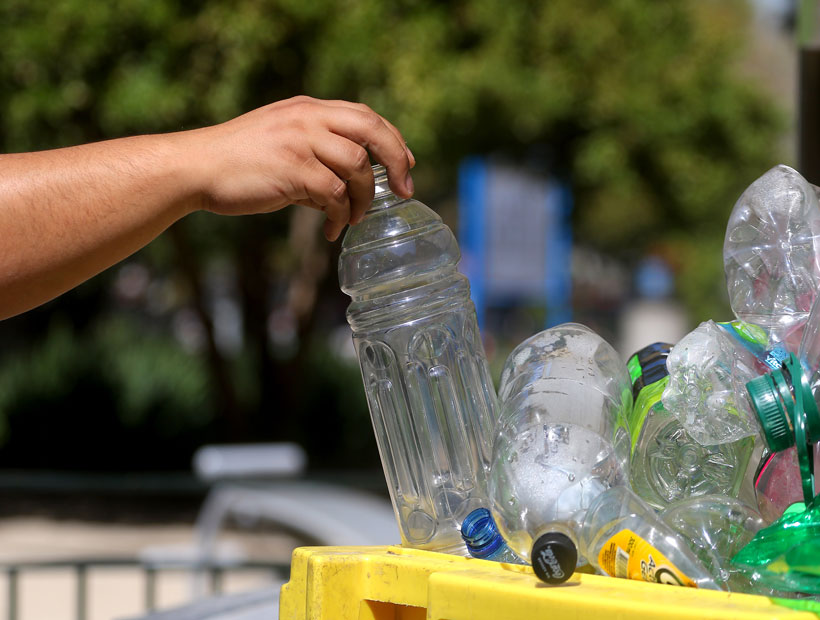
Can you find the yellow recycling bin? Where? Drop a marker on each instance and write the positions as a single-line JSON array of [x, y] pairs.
[[394, 583]]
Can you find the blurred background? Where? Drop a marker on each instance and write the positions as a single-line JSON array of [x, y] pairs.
[[587, 154]]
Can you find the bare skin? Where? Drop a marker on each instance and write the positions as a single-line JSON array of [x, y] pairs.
[[67, 214]]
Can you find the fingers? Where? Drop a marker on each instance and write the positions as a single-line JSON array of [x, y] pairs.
[[330, 229], [358, 123], [368, 110], [310, 152], [395, 130], [323, 189], [351, 164]]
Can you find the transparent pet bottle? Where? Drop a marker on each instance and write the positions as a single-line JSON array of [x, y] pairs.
[[770, 254], [667, 464], [708, 370], [716, 527], [562, 437], [622, 536], [426, 377]]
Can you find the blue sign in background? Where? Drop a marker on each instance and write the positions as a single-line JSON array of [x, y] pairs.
[[515, 237]]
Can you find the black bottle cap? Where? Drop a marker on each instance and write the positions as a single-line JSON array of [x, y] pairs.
[[554, 557]]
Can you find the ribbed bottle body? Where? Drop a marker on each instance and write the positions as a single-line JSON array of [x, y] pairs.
[[428, 385]]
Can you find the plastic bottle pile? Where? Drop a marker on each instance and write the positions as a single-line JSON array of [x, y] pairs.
[[689, 465]]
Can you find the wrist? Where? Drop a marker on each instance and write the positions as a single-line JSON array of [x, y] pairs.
[[185, 166]]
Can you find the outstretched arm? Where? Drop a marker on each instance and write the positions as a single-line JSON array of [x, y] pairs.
[[67, 214]]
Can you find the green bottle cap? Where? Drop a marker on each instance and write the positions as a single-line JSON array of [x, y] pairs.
[[771, 411], [773, 398]]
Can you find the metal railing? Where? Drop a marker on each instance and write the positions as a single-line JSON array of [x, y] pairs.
[[152, 572]]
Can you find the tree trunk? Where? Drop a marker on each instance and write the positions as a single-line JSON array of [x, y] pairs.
[[228, 408]]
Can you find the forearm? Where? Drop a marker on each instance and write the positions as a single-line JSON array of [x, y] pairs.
[[67, 214]]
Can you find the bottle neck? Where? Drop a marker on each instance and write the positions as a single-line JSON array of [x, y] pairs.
[[384, 201], [383, 196], [570, 529]]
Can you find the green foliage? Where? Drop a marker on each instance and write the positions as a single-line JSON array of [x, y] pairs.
[[107, 399], [639, 104], [154, 377]]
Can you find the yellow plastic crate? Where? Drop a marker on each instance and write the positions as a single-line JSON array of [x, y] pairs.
[[394, 583]]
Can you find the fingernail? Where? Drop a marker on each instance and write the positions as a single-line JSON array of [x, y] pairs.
[[410, 155], [408, 183]]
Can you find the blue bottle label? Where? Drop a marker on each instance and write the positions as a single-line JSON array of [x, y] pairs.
[[754, 338]]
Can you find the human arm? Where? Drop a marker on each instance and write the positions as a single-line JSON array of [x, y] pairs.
[[67, 214]]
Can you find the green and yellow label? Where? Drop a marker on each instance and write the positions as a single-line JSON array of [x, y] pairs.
[[648, 398]]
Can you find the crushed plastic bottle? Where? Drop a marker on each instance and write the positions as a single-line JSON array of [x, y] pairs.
[[667, 464], [708, 370], [716, 528], [621, 536], [562, 436], [483, 539], [770, 254], [426, 377]]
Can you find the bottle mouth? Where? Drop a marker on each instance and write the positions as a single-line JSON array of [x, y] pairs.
[[480, 534], [477, 529]]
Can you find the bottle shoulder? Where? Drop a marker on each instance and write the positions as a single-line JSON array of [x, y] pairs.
[[389, 221], [382, 266]]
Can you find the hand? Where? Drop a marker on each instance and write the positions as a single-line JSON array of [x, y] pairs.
[[301, 151]]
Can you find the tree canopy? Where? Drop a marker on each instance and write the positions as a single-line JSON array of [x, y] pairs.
[[638, 105]]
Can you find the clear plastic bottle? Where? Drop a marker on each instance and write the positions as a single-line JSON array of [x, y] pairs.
[[667, 464], [708, 370], [770, 254], [426, 377], [621, 536], [716, 527], [562, 436], [483, 539]]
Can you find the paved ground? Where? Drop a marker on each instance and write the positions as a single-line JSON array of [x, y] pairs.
[[117, 592]]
